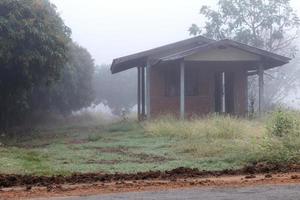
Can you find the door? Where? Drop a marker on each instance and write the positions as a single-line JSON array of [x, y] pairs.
[[229, 92], [218, 92]]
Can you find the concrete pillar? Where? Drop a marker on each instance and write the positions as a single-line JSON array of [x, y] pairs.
[[143, 94], [182, 90], [139, 93], [261, 88], [223, 93], [148, 96]]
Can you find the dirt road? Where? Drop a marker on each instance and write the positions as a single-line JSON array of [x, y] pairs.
[[260, 186], [245, 193]]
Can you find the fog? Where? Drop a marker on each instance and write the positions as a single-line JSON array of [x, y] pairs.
[[103, 30], [114, 28], [66, 119]]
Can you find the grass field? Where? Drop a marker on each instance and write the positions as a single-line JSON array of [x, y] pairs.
[[214, 143]]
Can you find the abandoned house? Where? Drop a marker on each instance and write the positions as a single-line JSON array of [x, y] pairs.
[[198, 76]]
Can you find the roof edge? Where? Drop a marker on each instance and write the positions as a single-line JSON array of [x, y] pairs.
[[147, 53], [139, 59]]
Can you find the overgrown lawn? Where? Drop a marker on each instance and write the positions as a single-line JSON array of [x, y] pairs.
[[212, 143]]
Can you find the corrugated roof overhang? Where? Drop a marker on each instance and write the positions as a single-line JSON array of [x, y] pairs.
[[182, 49]]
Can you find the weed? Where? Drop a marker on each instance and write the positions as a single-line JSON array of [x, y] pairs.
[[283, 123]]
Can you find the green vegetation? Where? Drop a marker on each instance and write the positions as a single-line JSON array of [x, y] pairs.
[[284, 123], [233, 142], [272, 25], [33, 42], [212, 143], [42, 70]]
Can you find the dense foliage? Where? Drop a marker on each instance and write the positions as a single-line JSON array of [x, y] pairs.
[[271, 24], [73, 90], [40, 67]]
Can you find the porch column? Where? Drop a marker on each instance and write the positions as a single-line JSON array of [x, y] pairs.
[[182, 90], [143, 92], [148, 71], [139, 93], [261, 88], [223, 92]]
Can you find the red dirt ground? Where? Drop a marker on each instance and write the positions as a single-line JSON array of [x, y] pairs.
[[24, 187]]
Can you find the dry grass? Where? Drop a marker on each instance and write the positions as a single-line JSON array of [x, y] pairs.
[[233, 139], [214, 136]]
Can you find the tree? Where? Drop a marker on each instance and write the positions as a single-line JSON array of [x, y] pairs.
[[33, 48], [74, 89], [77, 80], [268, 24]]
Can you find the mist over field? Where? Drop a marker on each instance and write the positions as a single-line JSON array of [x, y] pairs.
[[118, 28], [221, 99], [103, 30]]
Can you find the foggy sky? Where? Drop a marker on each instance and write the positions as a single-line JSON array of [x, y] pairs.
[[114, 28]]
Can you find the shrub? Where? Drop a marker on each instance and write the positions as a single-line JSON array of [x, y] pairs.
[[283, 123], [281, 143]]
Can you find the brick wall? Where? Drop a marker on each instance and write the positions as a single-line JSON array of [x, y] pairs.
[[241, 92], [195, 105]]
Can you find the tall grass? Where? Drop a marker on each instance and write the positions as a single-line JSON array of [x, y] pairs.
[[281, 143], [233, 139]]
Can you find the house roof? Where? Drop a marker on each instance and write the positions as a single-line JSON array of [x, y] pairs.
[[182, 49]]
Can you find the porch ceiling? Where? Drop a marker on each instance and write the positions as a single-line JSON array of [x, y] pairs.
[[224, 65]]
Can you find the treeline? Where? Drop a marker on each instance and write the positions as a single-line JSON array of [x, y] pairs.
[[118, 91], [41, 68]]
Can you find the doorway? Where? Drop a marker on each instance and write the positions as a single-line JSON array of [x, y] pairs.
[[224, 92]]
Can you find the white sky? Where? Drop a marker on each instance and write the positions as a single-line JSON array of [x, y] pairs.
[[114, 28]]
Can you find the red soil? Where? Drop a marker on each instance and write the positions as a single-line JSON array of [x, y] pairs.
[[18, 187]]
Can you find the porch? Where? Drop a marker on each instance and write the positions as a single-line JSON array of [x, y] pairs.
[[198, 76], [186, 88]]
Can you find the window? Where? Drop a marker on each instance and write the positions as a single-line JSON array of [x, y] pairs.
[[172, 82]]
